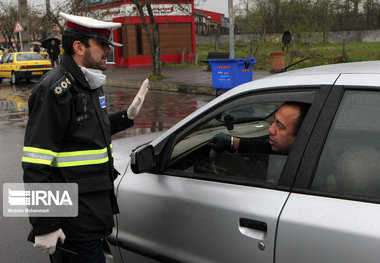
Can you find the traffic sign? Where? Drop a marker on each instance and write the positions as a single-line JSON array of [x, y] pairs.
[[18, 27]]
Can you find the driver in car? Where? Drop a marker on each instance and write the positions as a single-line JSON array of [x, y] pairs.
[[282, 133]]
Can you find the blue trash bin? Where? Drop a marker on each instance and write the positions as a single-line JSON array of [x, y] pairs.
[[229, 73]]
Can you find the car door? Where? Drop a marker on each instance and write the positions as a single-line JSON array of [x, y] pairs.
[[3, 65], [6, 66], [333, 214], [202, 206]]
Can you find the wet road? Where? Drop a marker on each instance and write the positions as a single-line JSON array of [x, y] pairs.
[[160, 111]]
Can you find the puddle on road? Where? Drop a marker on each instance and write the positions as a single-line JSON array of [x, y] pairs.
[[14, 104], [161, 110]]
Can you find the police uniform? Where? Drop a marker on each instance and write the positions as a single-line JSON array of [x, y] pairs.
[[68, 140]]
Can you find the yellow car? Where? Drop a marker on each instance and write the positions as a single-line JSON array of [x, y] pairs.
[[23, 65], [44, 54]]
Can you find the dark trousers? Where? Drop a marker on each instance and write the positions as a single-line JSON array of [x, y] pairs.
[[54, 62], [87, 251]]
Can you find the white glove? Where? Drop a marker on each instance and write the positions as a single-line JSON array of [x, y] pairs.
[[137, 102], [47, 243]]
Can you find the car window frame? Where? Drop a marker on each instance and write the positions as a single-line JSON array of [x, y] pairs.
[[279, 94], [6, 59], [305, 174], [10, 59]]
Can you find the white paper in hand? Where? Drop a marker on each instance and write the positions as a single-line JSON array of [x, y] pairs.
[[138, 101]]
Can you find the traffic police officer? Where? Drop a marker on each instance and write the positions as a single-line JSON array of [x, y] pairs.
[[68, 140]]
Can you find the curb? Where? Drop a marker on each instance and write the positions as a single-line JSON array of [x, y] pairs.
[[163, 86]]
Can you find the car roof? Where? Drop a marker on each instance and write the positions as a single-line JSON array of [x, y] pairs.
[[350, 68], [319, 75]]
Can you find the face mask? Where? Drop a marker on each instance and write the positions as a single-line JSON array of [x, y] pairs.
[[95, 77]]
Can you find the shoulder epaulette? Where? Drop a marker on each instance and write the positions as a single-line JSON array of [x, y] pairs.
[[61, 86]]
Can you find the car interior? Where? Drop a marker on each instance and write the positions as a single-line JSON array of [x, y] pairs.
[[193, 155]]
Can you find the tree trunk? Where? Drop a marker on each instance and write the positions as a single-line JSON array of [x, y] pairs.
[[156, 41], [152, 36]]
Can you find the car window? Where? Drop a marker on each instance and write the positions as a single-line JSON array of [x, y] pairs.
[[5, 59], [8, 59], [350, 160], [192, 155], [29, 56]]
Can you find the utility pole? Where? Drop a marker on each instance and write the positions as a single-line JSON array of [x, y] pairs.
[[48, 18], [24, 21], [232, 25]]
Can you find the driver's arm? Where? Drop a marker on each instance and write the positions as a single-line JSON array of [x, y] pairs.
[[222, 141]]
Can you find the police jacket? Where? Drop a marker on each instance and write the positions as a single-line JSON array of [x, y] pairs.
[[68, 139]]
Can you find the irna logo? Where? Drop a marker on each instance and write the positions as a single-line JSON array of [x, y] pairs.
[[40, 200], [39, 197]]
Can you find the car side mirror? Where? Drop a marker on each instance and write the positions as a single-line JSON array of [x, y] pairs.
[[143, 159]]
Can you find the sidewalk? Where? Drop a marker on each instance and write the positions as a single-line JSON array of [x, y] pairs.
[[188, 80]]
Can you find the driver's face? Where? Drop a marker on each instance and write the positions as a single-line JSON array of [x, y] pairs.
[[281, 132], [96, 54]]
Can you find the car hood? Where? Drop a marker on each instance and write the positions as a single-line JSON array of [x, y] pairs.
[[122, 148]]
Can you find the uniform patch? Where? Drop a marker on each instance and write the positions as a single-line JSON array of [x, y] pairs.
[[102, 101], [61, 86]]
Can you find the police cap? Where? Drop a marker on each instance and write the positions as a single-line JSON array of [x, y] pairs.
[[94, 28]]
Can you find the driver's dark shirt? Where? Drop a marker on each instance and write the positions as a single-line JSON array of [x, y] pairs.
[[255, 145], [259, 151]]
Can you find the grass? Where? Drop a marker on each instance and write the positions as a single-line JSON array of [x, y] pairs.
[[156, 77], [320, 53]]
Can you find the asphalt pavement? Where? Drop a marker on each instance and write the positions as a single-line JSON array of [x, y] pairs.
[[13, 230]]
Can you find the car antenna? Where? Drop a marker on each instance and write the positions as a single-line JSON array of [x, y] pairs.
[[295, 63]]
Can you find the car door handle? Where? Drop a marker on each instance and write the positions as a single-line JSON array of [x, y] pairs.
[[253, 228]]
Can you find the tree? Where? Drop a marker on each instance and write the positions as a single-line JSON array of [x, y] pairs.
[[8, 20], [36, 28], [150, 26], [70, 7], [243, 15], [151, 34]]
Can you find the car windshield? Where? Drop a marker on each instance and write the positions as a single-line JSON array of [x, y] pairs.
[[29, 56]]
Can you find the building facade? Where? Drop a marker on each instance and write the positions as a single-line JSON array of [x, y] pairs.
[[210, 23], [176, 28]]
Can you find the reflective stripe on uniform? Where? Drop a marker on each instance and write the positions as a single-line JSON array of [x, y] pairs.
[[37, 155], [64, 159]]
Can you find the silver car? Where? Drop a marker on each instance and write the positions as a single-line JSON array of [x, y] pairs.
[[182, 201]]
